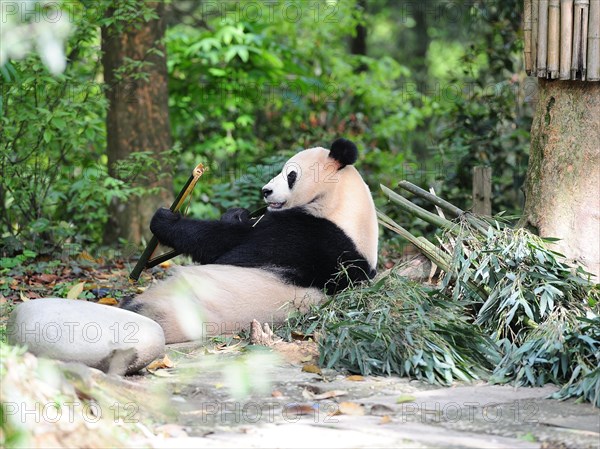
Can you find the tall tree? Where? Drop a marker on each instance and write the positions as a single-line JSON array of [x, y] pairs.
[[135, 73], [562, 190]]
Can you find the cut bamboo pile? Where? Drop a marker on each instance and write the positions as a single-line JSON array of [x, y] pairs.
[[562, 39]]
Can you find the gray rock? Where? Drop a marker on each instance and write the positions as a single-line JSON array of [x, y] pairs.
[[113, 340]]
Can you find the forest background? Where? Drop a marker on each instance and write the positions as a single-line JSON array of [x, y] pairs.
[[428, 90]]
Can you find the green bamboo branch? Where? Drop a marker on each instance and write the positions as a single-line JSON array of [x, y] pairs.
[[420, 212], [477, 223], [430, 251]]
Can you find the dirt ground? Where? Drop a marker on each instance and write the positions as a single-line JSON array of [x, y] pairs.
[[292, 403]]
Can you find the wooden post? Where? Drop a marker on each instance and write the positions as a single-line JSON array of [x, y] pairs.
[[593, 51], [482, 190], [566, 38], [553, 38]]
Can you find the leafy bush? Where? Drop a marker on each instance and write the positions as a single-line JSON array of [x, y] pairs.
[[396, 326]]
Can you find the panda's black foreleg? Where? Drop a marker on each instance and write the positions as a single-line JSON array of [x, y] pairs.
[[204, 240]]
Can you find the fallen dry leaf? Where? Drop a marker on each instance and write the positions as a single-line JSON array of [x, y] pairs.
[[47, 278], [307, 394], [108, 301], [298, 409], [75, 291], [385, 419], [311, 369], [86, 256], [23, 297], [355, 378], [163, 363], [351, 408]]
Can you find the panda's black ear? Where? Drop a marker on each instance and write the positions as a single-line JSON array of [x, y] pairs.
[[344, 151]]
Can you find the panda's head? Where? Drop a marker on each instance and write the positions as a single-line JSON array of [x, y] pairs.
[[324, 183], [311, 178]]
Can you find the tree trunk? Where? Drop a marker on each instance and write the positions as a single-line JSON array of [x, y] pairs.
[[562, 190], [358, 42], [137, 119]]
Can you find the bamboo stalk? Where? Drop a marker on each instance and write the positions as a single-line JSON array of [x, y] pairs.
[[434, 199], [535, 7], [593, 51], [418, 211], [542, 50], [580, 18], [584, 32], [478, 224], [433, 255], [553, 38], [144, 260], [432, 252], [566, 38], [527, 27]]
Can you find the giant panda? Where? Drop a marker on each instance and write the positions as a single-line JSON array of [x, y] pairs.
[[318, 235]]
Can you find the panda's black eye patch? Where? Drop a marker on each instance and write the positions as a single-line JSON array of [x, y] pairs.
[[291, 179]]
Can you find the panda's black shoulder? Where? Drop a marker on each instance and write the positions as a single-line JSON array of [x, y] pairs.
[[297, 217]]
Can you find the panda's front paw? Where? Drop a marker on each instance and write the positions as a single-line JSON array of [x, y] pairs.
[[162, 221], [237, 215]]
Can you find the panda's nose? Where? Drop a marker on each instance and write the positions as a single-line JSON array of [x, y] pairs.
[[266, 192]]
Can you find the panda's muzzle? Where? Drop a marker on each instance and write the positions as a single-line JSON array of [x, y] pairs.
[[271, 204]]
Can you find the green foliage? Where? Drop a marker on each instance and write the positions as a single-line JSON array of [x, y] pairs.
[[560, 352], [56, 184], [244, 88], [525, 283], [544, 315], [486, 121], [396, 326]]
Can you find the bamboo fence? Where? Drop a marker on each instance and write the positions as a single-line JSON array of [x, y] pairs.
[[562, 39]]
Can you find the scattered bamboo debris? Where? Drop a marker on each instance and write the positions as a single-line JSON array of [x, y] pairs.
[[562, 39]]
